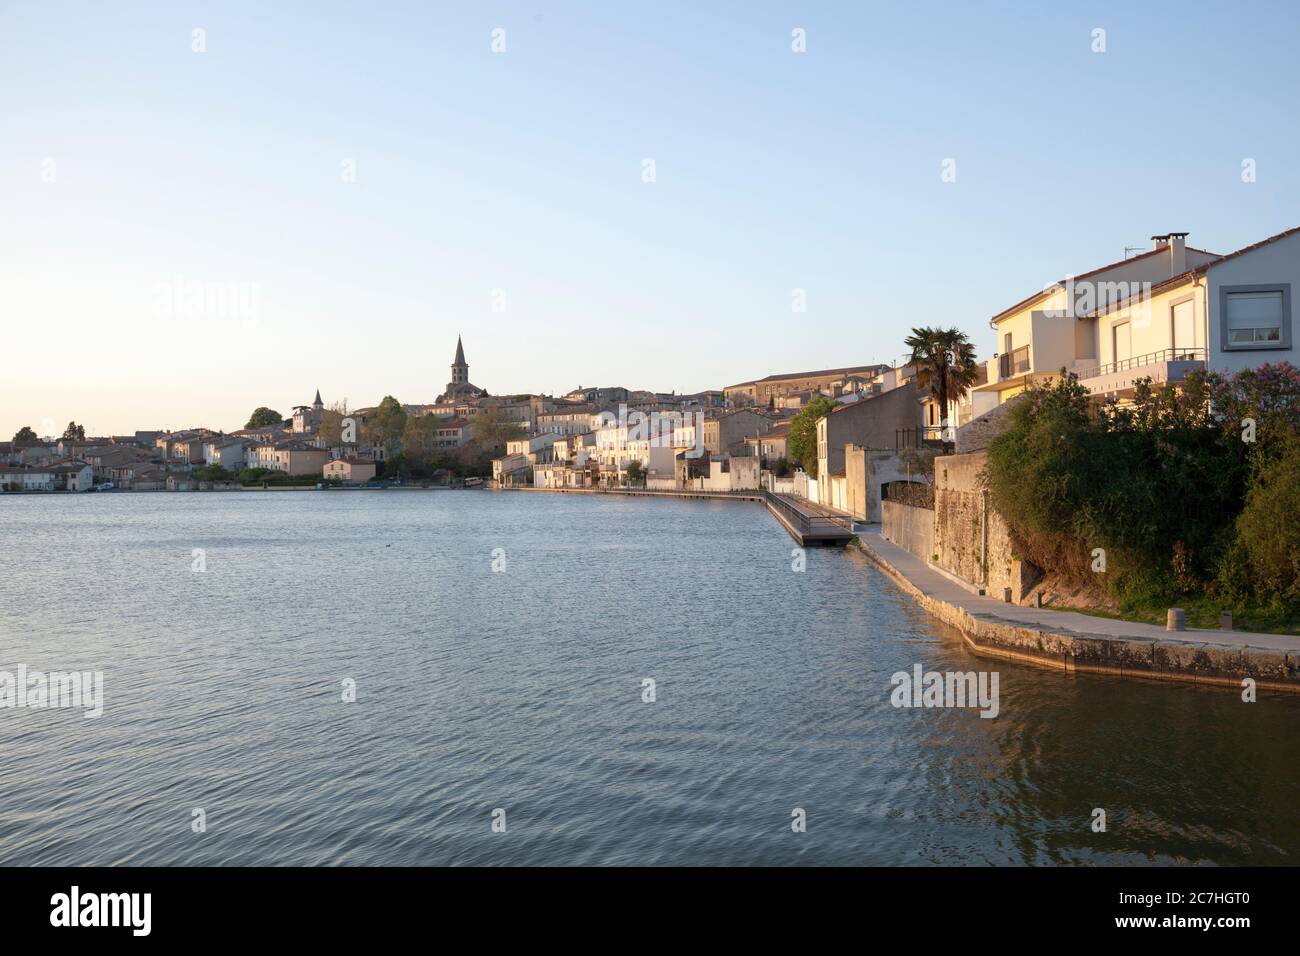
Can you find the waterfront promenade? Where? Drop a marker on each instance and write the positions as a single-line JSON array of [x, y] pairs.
[[1070, 640]]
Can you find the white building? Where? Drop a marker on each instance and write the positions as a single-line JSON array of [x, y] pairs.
[[1156, 315]]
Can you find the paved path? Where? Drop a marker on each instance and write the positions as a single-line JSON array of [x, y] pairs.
[[942, 588]]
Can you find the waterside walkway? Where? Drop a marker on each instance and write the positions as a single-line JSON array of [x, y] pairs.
[[1072, 641]]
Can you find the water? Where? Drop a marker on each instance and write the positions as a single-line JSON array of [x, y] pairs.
[[521, 690]]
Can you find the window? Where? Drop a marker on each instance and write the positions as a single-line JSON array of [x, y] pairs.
[[1123, 342], [1256, 317], [1182, 318]]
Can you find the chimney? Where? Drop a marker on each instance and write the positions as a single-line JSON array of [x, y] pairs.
[[1177, 253], [1159, 242]]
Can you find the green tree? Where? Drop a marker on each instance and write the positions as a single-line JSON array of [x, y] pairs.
[[384, 426], [26, 434], [213, 473], [945, 366], [635, 472], [490, 431], [74, 432], [803, 433], [263, 417], [419, 436], [331, 424]]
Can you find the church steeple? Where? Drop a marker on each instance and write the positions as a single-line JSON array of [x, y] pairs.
[[459, 367], [318, 403], [460, 388]]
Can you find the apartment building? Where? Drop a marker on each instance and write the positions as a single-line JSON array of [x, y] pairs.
[[290, 457], [535, 448], [832, 381], [727, 432], [880, 422], [452, 433], [1231, 313], [568, 419]]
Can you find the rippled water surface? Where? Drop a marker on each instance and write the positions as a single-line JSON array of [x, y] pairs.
[[522, 690]]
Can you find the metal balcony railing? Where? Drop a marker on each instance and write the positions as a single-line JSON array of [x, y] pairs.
[[1141, 361], [918, 437], [1015, 362], [808, 524]]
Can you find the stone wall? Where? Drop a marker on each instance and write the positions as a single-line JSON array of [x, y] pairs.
[[909, 527], [1170, 659], [976, 434], [864, 473], [970, 539]]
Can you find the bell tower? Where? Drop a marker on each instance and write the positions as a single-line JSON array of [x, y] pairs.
[[459, 367]]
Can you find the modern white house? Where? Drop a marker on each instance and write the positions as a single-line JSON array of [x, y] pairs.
[[1228, 314], [1156, 316]]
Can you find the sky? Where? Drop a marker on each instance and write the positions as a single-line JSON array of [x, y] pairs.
[[324, 195]]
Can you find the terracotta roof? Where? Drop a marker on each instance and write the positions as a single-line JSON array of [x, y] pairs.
[[1184, 277], [1251, 248], [1053, 288], [819, 372]]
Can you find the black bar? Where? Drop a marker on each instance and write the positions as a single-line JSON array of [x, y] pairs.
[[930, 907]]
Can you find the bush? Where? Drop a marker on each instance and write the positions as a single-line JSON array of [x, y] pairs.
[[1268, 531], [1168, 486], [1153, 485]]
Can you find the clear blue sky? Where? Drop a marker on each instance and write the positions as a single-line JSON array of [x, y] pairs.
[[522, 171]]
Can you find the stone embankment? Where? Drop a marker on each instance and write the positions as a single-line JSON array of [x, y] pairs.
[[1074, 642]]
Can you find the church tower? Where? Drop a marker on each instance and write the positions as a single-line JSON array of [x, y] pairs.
[[459, 367], [460, 388]]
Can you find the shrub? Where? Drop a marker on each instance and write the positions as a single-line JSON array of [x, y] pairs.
[[1268, 532], [1153, 484]]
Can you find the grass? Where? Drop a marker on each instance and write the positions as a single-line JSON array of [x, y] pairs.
[[1203, 612]]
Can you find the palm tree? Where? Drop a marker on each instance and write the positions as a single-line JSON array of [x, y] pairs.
[[945, 366]]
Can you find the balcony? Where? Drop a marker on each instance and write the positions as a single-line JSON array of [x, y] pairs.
[[1013, 363], [925, 436], [1117, 378]]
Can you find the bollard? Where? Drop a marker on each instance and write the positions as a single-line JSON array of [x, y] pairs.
[[1225, 620], [1038, 599], [1175, 620], [1006, 595]]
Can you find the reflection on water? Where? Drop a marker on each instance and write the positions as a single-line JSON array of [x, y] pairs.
[[522, 690]]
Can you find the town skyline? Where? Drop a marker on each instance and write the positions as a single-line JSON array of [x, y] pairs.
[[53, 429], [355, 212]]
